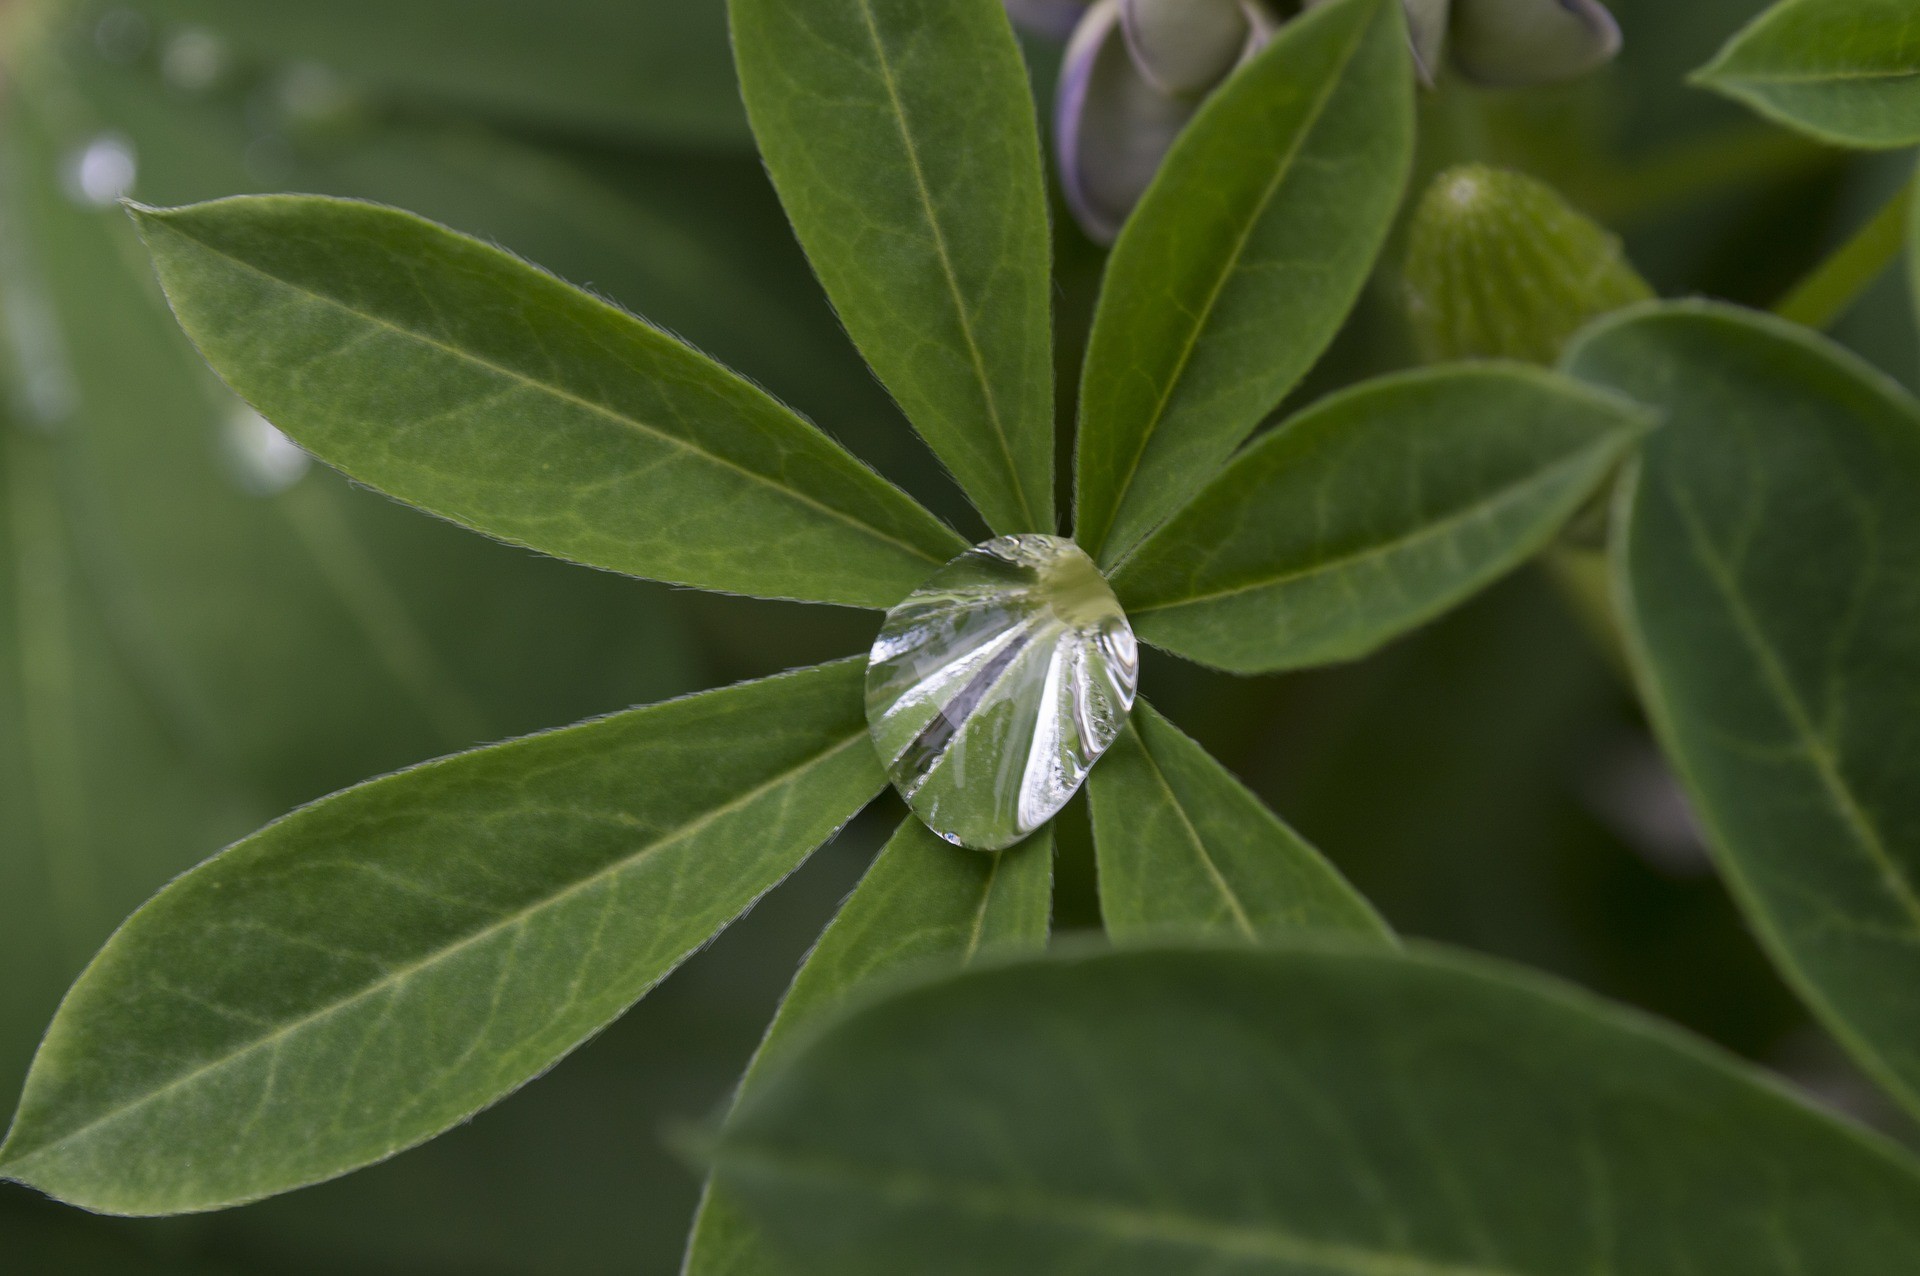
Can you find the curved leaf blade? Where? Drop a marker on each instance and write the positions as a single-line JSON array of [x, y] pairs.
[[1240, 264], [1766, 558], [372, 969], [1843, 71], [460, 379], [1339, 1110], [1183, 846], [925, 903], [901, 136], [1372, 512]]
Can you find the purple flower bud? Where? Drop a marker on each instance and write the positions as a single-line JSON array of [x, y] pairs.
[[1515, 43], [1112, 127], [1186, 47]]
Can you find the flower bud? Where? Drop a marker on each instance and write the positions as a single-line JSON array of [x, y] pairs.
[[1499, 266], [1515, 43], [1186, 47]]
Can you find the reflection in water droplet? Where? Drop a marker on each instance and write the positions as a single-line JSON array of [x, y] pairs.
[[121, 36], [265, 461], [102, 172], [194, 61], [994, 687]]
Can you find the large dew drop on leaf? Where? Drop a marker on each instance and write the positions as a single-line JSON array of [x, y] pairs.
[[996, 685]]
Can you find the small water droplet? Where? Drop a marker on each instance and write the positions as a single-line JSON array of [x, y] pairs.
[[122, 36], [102, 172], [195, 61], [265, 461], [994, 687]]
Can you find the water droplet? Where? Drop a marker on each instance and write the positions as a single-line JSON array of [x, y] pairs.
[[311, 96], [994, 687], [195, 61], [121, 36], [265, 461], [102, 172]]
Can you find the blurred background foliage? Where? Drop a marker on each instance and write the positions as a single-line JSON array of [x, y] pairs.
[[199, 630]]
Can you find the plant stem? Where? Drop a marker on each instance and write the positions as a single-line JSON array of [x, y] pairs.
[[1837, 283]]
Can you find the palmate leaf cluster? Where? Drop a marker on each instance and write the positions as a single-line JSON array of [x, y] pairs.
[[1298, 1092]]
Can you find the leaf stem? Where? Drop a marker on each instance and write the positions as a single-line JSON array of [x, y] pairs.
[[1838, 282]]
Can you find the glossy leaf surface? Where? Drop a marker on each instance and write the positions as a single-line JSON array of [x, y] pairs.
[[1770, 560], [1340, 1110], [456, 377], [995, 686], [901, 136], [1844, 71], [375, 967], [1372, 512], [1214, 306], [924, 904], [1185, 848]]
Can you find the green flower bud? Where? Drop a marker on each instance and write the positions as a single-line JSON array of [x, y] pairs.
[[1499, 266]]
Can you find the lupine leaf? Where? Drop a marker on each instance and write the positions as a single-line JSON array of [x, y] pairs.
[[901, 136], [1768, 559], [458, 378], [924, 903], [1844, 71], [1372, 512], [375, 967], [1240, 263], [1324, 1109], [1184, 847]]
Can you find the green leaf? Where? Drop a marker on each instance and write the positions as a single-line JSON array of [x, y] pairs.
[[1371, 513], [1240, 263], [923, 904], [1844, 71], [647, 69], [1183, 846], [1323, 1109], [375, 967], [456, 377], [901, 137], [1769, 570]]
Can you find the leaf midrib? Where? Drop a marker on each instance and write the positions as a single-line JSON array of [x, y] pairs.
[[1818, 752], [610, 413], [399, 976], [1243, 922], [1232, 264], [1112, 1222], [947, 273], [1488, 509], [1802, 79]]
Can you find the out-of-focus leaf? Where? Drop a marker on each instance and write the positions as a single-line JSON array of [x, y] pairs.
[[901, 136], [649, 69], [1844, 71], [1184, 847], [923, 903], [459, 378], [1240, 263], [375, 967], [1308, 1109], [1372, 512], [100, 799], [1767, 558], [301, 634]]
